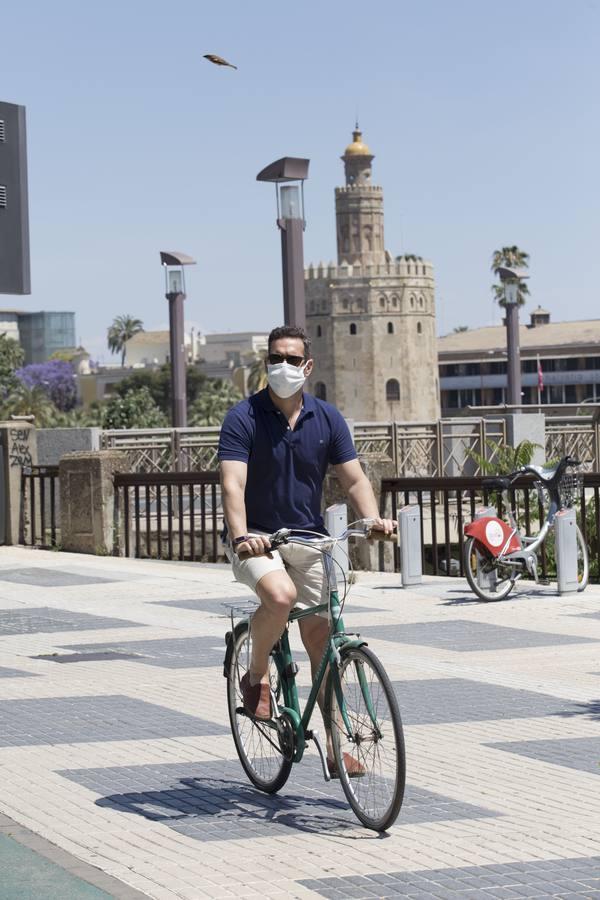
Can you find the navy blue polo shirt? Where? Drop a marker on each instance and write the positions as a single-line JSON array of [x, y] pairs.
[[286, 467]]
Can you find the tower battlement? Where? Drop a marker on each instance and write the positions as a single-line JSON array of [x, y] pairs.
[[420, 268], [355, 188]]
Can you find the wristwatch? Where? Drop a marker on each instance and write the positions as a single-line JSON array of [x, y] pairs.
[[239, 540]]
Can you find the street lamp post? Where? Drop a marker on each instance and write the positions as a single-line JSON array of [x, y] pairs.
[[511, 279], [291, 223], [173, 264]]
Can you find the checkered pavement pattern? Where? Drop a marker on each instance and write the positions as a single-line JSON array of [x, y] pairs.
[[123, 757]]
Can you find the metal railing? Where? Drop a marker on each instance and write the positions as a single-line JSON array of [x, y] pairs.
[[447, 504], [166, 449], [576, 436], [39, 507], [168, 515]]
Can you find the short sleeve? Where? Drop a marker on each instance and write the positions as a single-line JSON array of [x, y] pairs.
[[235, 440], [342, 447]]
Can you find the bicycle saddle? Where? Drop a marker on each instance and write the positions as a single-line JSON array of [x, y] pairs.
[[497, 483], [541, 472]]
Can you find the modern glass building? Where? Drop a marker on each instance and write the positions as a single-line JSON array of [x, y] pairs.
[[42, 333]]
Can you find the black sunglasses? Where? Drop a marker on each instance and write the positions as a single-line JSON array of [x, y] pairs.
[[276, 359]]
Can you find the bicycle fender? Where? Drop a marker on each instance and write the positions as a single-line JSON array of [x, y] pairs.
[[493, 535], [230, 639], [352, 644]]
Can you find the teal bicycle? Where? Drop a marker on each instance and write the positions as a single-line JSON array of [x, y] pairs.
[[361, 712]]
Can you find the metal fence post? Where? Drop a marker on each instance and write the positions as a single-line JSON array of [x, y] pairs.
[[409, 528], [336, 522]]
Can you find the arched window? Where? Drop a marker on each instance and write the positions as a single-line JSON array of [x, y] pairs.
[[390, 328], [319, 331], [320, 391], [382, 302], [412, 301], [392, 390], [352, 328], [394, 301], [419, 328], [421, 302]]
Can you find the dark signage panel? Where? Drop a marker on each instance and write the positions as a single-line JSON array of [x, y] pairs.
[[15, 275]]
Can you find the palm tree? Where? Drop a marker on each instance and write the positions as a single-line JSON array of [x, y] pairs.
[[122, 329], [34, 402], [257, 377], [513, 258]]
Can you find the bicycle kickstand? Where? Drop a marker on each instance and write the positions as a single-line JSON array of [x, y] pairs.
[[321, 752]]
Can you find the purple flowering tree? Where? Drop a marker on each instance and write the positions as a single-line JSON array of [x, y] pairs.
[[56, 377]]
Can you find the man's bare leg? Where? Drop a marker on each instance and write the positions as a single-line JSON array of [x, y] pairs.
[[315, 635], [277, 596]]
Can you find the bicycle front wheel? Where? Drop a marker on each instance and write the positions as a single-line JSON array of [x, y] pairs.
[[265, 749], [367, 738], [497, 579]]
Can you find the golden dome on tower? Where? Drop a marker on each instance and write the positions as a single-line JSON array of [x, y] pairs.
[[357, 147]]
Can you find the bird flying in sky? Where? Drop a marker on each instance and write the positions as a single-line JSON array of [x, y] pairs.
[[218, 60]]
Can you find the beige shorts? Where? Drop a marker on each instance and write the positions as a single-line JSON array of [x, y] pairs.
[[303, 564]]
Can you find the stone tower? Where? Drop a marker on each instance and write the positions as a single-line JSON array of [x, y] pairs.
[[371, 317]]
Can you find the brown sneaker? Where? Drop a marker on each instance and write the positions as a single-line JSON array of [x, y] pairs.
[[354, 768], [256, 697]]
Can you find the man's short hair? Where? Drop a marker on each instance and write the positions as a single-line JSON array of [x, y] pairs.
[[290, 331]]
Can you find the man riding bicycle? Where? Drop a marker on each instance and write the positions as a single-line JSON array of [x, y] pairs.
[[274, 450]]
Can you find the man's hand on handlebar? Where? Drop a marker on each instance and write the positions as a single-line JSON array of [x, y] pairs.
[[388, 526], [256, 545]]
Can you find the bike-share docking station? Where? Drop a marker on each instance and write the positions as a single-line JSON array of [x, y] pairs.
[[409, 540], [565, 537]]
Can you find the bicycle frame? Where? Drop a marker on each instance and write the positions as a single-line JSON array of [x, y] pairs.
[[526, 556], [338, 640]]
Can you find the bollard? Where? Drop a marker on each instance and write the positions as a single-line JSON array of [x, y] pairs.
[[409, 534], [486, 580], [336, 522], [565, 534]]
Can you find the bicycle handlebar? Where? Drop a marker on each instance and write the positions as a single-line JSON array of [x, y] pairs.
[[363, 528]]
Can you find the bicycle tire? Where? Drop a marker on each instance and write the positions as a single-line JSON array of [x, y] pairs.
[[257, 743], [376, 796], [585, 562], [488, 596]]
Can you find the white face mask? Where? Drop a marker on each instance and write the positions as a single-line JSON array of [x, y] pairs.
[[285, 379]]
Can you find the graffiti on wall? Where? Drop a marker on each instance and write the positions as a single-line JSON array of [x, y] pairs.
[[19, 453]]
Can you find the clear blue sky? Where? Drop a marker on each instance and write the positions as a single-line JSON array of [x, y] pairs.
[[483, 118]]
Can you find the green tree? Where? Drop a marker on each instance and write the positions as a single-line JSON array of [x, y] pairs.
[[122, 329], [25, 401], [137, 409], [257, 376], [12, 356], [158, 382], [512, 258], [211, 406]]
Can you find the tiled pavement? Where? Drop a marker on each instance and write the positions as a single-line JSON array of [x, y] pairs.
[[123, 759]]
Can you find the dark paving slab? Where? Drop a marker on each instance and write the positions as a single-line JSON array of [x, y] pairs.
[[167, 653], [214, 800], [46, 620], [574, 753], [76, 720], [464, 636], [39, 577], [559, 878], [438, 701], [104, 656], [5, 672], [588, 615]]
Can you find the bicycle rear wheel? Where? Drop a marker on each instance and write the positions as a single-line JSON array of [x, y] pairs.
[[500, 578], [265, 749], [375, 741]]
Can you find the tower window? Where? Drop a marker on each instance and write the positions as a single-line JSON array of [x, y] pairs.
[[352, 328], [319, 331], [419, 328], [421, 302], [320, 391], [412, 302], [392, 390], [394, 301], [390, 328], [382, 302]]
